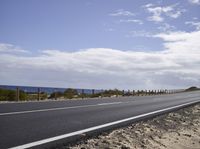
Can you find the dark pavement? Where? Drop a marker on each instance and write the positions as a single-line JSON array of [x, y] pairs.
[[22, 123]]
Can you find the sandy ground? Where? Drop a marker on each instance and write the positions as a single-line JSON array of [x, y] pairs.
[[176, 130]]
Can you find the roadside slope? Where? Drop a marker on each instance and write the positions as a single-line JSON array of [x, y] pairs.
[[180, 130]]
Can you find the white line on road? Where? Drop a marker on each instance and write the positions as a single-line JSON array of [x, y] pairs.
[[36, 143], [61, 108], [110, 103]]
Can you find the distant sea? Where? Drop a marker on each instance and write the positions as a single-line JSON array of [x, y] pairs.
[[48, 90]]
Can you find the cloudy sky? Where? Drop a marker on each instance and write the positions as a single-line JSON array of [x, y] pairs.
[[125, 44]]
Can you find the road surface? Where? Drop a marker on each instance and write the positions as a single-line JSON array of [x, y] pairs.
[[35, 124]]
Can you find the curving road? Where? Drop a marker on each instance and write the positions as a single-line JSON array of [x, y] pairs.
[[42, 124]]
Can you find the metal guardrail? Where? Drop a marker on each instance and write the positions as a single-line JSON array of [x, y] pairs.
[[124, 93]]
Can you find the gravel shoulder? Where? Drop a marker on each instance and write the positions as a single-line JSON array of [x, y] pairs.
[[175, 130]]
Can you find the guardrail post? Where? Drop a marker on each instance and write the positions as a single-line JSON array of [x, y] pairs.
[[92, 91], [137, 93], [82, 93], [133, 92], [123, 93], [55, 94], [38, 93], [102, 93], [128, 92], [146, 92], [17, 93]]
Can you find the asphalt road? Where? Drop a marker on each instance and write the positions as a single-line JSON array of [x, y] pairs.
[[29, 124]]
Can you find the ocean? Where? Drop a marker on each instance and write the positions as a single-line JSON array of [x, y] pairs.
[[48, 90]]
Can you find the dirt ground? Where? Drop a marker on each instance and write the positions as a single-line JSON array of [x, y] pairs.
[[176, 130]]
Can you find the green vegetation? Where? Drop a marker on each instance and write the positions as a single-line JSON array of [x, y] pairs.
[[56, 95], [109, 93], [10, 95], [193, 88], [34, 96], [70, 93], [7, 95], [23, 96]]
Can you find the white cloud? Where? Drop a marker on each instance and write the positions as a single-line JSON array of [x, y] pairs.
[[110, 29], [174, 14], [141, 33], [148, 5], [132, 21], [176, 66], [159, 13], [195, 24], [194, 1], [165, 27], [184, 44], [122, 12], [156, 11], [9, 48]]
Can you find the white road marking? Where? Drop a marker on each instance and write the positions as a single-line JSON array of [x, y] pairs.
[[40, 142], [110, 103], [61, 108]]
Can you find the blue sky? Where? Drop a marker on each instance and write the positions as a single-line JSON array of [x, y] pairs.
[[52, 32], [74, 25]]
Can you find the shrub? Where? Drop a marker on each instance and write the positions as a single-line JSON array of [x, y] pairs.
[[7, 95], [70, 93]]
